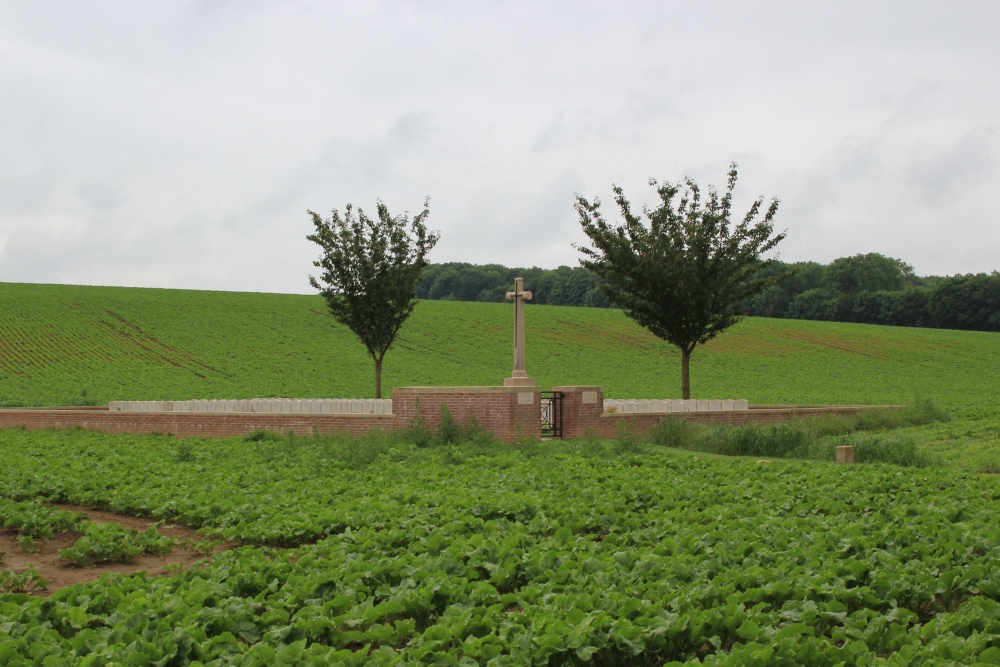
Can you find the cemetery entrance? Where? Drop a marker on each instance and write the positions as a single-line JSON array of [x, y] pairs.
[[552, 414]]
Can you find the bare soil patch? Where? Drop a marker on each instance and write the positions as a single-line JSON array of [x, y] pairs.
[[59, 575]]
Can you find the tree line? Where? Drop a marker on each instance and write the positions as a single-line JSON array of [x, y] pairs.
[[869, 288]]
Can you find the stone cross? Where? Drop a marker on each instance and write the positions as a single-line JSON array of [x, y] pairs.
[[519, 378]]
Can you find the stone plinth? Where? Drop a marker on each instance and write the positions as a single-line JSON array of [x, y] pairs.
[[845, 454]]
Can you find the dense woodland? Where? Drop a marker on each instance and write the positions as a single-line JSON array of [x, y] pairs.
[[871, 289]]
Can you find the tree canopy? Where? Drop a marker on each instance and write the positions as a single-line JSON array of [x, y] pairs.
[[370, 269], [683, 268]]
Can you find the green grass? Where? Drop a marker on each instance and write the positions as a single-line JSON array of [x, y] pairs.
[[57, 342]]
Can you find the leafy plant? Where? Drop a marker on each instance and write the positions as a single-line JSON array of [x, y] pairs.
[[448, 432], [27, 543], [112, 543], [28, 581]]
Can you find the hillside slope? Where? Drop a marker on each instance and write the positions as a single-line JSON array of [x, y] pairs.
[[58, 341]]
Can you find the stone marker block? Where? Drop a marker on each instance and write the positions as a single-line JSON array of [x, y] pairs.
[[336, 407], [388, 406], [227, 406], [677, 406], [630, 407], [588, 397], [701, 406], [715, 405], [727, 404], [525, 397], [642, 406], [355, 407], [741, 404], [845, 454], [286, 405]]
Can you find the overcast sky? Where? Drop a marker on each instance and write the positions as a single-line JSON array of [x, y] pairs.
[[179, 144]]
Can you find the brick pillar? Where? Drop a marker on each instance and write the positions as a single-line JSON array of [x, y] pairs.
[[582, 408], [508, 412]]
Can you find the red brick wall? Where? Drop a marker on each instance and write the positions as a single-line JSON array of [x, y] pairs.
[[495, 408], [185, 424]]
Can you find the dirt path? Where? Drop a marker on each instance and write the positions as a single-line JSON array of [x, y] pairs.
[[58, 575]]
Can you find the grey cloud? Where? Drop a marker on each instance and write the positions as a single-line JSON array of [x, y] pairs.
[[940, 174]]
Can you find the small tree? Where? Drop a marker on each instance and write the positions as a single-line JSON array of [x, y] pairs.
[[683, 274], [370, 273]]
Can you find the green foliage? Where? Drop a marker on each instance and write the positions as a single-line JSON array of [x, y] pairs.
[[185, 451], [112, 543], [459, 281], [675, 432], [28, 581], [768, 440], [684, 271], [813, 437], [875, 289], [31, 518], [263, 435], [448, 432], [869, 273], [562, 557], [370, 273], [627, 440], [898, 450], [27, 543]]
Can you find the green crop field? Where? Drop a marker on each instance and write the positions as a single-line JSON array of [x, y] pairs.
[[556, 555], [57, 342], [376, 551]]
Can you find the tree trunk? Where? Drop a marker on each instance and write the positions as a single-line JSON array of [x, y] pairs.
[[378, 377], [685, 374]]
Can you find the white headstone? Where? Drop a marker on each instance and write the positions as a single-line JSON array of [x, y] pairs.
[[715, 405], [742, 404], [701, 406], [727, 404]]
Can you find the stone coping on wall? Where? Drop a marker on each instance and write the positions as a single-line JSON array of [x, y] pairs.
[[464, 390], [326, 406]]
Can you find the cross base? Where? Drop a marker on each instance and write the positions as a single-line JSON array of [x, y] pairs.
[[520, 379]]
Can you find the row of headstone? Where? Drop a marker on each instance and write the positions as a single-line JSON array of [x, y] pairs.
[[316, 406], [669, 406]]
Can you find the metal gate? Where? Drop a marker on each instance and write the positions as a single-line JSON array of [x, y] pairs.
[[552, 414]]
